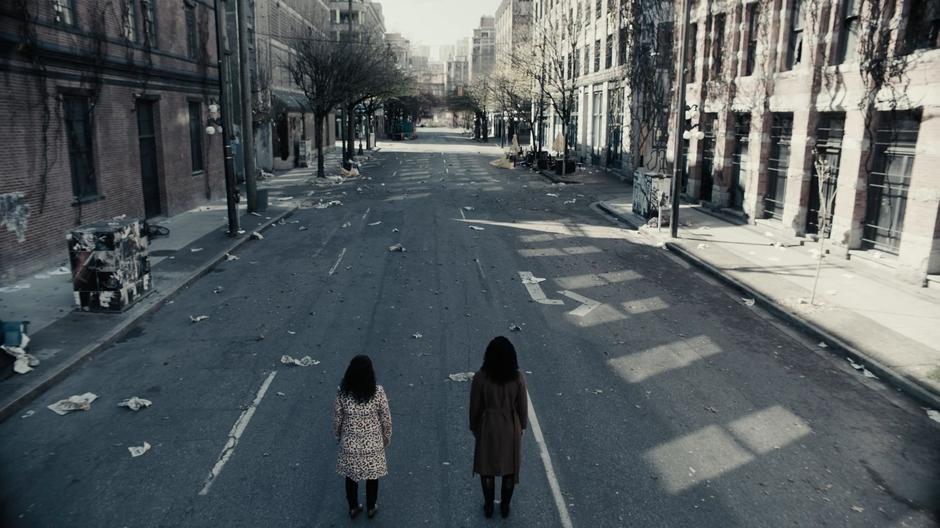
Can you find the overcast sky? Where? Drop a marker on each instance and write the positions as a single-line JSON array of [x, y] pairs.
[[435, 22]]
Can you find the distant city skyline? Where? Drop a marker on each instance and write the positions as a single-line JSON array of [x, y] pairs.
[[435, 23]]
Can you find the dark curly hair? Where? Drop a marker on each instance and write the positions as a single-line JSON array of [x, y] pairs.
[[359, 380], [500, 363]]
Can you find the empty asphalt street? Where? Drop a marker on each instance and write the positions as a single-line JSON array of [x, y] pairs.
[[657, 397]]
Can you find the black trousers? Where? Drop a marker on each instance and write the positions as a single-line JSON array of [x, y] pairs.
[[489, 488], [352, 493]]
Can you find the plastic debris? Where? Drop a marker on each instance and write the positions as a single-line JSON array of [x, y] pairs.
[[302, 228], [417, 335], [553, 195], [136, 451], [702, 246], [23, 362], [861, 368], [375, 223], [822, 344], [327, 205], [394, 230], [515, 328], [711, 410], [27, 414], [747, 302], [257, 236], [291, 332], [195, 250], [79, 402], [570, 202], [229, 257], [218, 289], [198, 318], [858, 509], [461, 376], [532, 279], [397, 248], [347, 224], [305, 361], [467, 208], [476, 228], [135, 403], [254, 214], [932, 414]]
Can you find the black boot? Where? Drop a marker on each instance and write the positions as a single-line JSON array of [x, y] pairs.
[[505, 495], [489, 495]]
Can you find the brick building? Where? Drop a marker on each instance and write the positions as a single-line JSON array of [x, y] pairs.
[[774, 85], [104, 107]]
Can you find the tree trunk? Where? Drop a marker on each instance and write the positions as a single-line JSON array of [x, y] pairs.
[[318, 137], [350, 132]]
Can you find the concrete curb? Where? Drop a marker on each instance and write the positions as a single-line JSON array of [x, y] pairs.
[[551, 177], [838, 346], [156, 300]]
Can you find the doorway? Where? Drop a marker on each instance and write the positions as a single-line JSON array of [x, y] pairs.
[[149, 174]]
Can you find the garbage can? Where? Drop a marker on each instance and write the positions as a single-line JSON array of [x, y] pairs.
[[110, 265]]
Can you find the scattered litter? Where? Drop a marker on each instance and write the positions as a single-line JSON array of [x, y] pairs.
[[61, 270], [79, 402], [327, 205], [598, 391], [858, 509], [218, 289], [515, 328], [445, 463], [198, 318], [476, 228], [375, 223], [747, 302], [291, 332], [461, 376], [135, 403], [23, 362], [257, 236], [702, 246], [136, 451], [417, 335], [27, 414], [711, 410], [254, 214], [230, 257], [281, 394], [570, 202], [397, 248], [15, 287], [531, 279], [394, 230], [347, 224], [467, 208], [302, 228], [305, 361], [861, 368], [932, 414], [195, 250], [822, 344], [553, 195]]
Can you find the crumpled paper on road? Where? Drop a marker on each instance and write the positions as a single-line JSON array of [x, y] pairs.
[[532, 279], [397, 248], [23, 361], [327, 205], [861, 368], [476, 228], [136, 451], [461, 376], [79, 402], [305, 361], [135, 404]]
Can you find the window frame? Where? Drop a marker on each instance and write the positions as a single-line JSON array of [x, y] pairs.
[[753, 29], [63, 13], [795, 36], [148, 15], [196, 143], [192, 31], [82, 192]]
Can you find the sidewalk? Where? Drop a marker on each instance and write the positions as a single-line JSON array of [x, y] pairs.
[[62, 337], [891, 328]]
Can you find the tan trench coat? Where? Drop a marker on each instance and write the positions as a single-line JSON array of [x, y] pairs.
[[498, 414]]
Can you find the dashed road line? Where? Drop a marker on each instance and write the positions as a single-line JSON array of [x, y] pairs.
[[338, 260], [560, 504]]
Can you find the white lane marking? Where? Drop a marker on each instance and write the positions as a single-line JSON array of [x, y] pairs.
[[338, 260], [586, 304], [480, 267], [236, 433], [549, 468], [461, 213], [366, 214], [535, 291]]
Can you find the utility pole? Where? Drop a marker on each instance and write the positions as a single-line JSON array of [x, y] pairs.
[[225, 102], [248, 141], [680, 120], [350, 111]]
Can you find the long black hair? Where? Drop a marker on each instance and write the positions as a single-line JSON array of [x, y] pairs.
[[500, 363], [359, 380]]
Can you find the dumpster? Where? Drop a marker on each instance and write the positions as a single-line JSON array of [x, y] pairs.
[[110, 265]]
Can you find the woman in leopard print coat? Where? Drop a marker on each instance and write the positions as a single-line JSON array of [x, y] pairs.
[[362, 424]]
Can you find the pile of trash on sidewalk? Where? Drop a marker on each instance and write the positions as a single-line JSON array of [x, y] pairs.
[[14, 341]]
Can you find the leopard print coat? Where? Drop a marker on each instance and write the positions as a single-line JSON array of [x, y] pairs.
[[363, 431]]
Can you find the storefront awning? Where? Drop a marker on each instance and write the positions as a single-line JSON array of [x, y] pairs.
[[292, 101]]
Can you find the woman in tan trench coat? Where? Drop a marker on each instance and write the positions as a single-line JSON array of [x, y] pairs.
[[498, 416]]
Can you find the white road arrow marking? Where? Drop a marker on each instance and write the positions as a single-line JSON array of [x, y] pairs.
[[531, 284], [586, 304]]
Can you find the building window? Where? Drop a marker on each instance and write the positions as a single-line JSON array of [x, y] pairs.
[[718, 45], [622, 46], [829, 134], [598, 8], [576, 68], [693, 51], [81, 155], [923, 31], [192, 43], [795, 42], [664, 45], [753, 26], [150, 22], [781, 133], [597, 55], [890, 179], [596, 119], [587, 59], [848, 32], [609, 58], [64, 12], [739, 159], [195, 136], [130, 28]]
